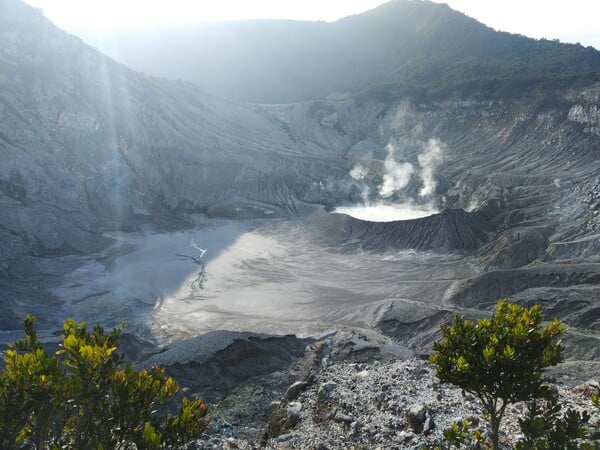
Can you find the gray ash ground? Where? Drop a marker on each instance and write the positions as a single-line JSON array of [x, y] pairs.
[[365, 405]]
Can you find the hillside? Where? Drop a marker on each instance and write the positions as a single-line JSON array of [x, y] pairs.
[[408, 42], [87, 146]]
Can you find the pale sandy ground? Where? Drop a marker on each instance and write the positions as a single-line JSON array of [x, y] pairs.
[[271, 279]]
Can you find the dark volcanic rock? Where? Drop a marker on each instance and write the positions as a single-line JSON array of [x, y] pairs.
[[449, 231], [417, 326], [294, 390], [214, 362], [416, 416], [490, 286]]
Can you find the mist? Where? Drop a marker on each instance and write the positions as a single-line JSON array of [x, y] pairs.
[[396, 176], [429, 161]]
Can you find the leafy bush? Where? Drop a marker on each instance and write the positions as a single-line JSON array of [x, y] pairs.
[[499, 359], [86, 397], [461, 434], [545, 429]]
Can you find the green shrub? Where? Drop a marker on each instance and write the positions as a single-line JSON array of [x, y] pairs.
[[86, 397], [461, 434], [544, 428], [499, 359]]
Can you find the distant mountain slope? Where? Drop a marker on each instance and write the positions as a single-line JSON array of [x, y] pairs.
[[88, 145], [409, 41]]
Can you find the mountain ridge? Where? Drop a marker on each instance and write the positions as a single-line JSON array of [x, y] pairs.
[[404, 41]]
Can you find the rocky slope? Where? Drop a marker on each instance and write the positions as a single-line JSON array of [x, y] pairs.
[[394, 405], [339, 400], [88, 145]]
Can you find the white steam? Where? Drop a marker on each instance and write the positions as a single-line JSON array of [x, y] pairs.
[[358, 172], [396, 176], [429, 161]]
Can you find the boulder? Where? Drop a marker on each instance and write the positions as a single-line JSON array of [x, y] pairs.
[[416, 417]]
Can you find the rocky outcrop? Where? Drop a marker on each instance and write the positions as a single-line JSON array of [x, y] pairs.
[[398, 404], [589, 116], [586, 110], [501, 284], [215, 362], [450, 230]]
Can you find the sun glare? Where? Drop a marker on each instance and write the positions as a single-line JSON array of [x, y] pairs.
[[111, 13], [573, 21]]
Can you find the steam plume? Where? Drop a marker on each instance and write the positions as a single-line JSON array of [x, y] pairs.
[[429, 160], [397, 175], [358, 172]]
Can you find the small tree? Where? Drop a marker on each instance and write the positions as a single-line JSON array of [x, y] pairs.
[[85, 397], [499, 359]]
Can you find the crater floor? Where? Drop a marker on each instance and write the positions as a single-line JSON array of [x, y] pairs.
[[272, 277]]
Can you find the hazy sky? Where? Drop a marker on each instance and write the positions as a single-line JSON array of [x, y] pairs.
[[567, 20]]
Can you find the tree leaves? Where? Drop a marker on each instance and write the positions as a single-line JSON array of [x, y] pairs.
[[85, 397], [500, 359]]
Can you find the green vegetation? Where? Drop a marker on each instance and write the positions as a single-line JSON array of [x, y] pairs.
[[86, 397], [499, 359], [461, 434], [544, 428]]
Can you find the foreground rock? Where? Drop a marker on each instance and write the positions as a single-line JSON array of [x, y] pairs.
[[390, 404]]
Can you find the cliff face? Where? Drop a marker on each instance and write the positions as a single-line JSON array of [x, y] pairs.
[[585, 109]]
